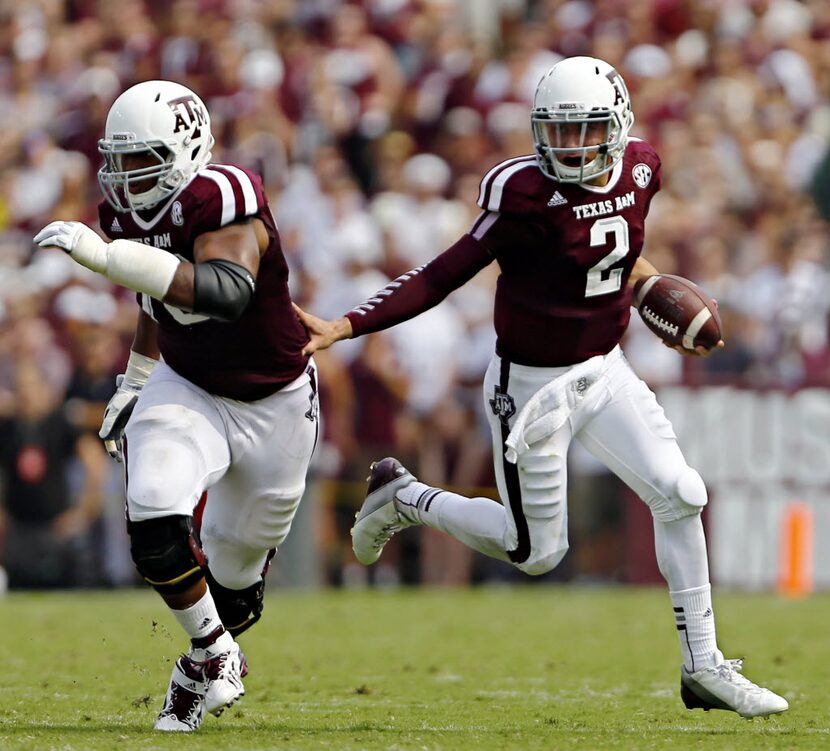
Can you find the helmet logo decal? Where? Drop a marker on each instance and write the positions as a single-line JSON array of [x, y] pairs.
[[187, 107], [642, 174], [620, 90]]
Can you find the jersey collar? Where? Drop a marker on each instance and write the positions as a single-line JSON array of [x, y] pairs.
[[615, 176], [149, 224]]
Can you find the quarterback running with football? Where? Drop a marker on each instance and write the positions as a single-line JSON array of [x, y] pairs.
[[217, 396], [566, 227]]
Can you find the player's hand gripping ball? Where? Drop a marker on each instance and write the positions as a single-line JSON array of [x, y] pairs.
[[678, 311]]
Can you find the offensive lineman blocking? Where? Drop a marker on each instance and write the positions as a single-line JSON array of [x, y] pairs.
[[566, 226], [217, 393]]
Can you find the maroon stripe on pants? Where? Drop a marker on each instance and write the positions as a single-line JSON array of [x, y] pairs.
[[511, 479]]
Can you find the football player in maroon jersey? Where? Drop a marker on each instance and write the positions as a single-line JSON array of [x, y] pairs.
[[217, 393], [566, 227]]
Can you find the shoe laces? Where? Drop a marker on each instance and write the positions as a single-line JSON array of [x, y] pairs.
[[182, 703], [730, 670], [387, 530], [218, 666]]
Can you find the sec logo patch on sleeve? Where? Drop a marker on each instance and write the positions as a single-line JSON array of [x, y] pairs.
[[642, 174]]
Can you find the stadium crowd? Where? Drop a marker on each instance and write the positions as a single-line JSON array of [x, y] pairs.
[[371, 124]]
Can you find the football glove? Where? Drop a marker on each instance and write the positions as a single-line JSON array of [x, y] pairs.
[[120, 407], [78, 240]]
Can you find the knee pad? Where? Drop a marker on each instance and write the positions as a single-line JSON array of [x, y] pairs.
[[238, 609], [688, 497], [542, 538], [167, 553]]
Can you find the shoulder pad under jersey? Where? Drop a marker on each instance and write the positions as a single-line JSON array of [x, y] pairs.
[[514, 187]]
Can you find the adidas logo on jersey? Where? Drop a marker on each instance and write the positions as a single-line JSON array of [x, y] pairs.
[[116, 226], [557, 199]]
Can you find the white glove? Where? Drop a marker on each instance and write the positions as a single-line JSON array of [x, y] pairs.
[[121, 405], [84, 245], [116, 415]]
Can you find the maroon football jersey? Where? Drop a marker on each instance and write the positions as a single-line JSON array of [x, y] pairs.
[[565, 251], [246, 359]]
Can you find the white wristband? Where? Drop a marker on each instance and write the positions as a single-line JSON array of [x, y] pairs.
[[138, 370], [141, 267]]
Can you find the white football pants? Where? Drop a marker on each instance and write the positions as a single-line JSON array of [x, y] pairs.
[[252, 457], [618, 420]]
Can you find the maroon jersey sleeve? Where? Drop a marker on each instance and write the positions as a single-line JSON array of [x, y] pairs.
[[237, 194], [511, 187], [422, 288], [656, 181]]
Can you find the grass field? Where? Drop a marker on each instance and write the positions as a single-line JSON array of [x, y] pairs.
[[525, 668]]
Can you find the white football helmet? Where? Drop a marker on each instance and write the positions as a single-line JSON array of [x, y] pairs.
[[580, 95], [165, 120]]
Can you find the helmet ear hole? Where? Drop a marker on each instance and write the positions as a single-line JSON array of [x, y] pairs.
[[195, 152]]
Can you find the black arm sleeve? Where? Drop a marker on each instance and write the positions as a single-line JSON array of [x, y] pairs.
[[222, 289], [420, 289]]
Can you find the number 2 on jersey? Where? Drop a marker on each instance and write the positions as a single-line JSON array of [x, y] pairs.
[[600, 230]]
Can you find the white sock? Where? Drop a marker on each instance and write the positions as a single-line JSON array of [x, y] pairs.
[[477, 522], [681, 555], [695, 621], [200, 619]]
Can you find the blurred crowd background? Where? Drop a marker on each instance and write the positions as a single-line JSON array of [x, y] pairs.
[[371, 124]]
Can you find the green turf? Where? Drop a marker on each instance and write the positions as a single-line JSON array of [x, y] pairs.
[[526, 668]]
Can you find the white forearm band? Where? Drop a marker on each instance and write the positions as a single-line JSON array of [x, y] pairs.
[[138, 369], [141, 267]]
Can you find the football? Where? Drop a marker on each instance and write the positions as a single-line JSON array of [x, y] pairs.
[[678, 311]]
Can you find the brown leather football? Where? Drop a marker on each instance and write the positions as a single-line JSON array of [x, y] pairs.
[[678, 311]]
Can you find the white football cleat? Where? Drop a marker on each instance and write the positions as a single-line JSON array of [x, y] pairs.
[[379, 518], [184, 705], [224, 665], [723, 687]]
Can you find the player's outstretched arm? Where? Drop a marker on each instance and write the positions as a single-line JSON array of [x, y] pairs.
[[219, 284], [131, 264], [409, 295], [322, 333]]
